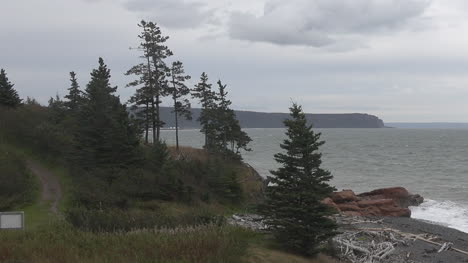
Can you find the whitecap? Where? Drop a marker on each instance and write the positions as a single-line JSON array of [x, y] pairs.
[[446, 213]]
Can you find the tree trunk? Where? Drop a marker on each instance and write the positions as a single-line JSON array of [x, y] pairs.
[[146, 122], [153, 116], [176, 112], [158, 118]]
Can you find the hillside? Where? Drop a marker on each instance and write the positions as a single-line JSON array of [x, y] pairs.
[[250, 119]]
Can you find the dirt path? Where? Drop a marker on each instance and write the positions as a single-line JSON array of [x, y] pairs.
[[50, 186]]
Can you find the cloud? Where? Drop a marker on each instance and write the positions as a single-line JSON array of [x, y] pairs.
[[172, 13], [325, 23]]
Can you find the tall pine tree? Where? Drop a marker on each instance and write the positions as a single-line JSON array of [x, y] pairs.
[[153, 72], [8, 96], [292, 209], [179, 90], [105, 138]]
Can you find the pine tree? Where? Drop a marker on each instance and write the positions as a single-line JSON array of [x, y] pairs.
[[74, 94], [105, 138], [178, 89], [292, 209], [8, 96], [142, 99], [207, 97], [154, 71]]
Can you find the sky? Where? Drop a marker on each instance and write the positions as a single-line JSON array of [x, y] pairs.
[[401, 60]]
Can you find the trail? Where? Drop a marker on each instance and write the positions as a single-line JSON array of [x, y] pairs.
[[51, 190]]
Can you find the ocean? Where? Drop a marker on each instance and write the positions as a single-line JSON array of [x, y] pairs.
[[429, 162]]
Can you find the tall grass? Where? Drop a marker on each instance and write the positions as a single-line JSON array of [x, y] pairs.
[[60, 243], [17, 186]]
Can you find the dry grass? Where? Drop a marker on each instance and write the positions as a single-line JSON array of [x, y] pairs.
[[189, 154], [265, 255], [62, 244]]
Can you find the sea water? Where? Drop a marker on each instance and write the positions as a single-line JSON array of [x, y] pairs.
[[430, 162]]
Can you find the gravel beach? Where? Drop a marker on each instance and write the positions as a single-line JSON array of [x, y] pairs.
[[415, 250]]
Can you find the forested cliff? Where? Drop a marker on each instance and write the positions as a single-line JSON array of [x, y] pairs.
[[250, 119]]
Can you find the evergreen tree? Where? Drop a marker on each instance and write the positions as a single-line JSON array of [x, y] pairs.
[[178, 90], [57, 109], [154, 71], [207, 97], [105, 138], [292, 209], [227, 126], [8, 96], [74, 94], [142, 99]]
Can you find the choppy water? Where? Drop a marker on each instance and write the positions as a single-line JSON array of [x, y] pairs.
[[433, 163]]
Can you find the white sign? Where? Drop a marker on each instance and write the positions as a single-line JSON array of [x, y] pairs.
[[12, 220]]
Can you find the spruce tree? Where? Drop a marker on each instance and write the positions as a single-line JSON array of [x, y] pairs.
[[74, 94], [292, 209], [179, 90], [105, 138], [227, 125], [8, 96]]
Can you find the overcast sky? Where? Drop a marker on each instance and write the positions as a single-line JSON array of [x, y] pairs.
[[402, 60]]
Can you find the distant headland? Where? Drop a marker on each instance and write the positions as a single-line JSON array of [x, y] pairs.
[[250, 119]]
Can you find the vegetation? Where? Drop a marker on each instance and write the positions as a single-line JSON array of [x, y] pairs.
[[293, 210], [8, 95], [18, 187], [208, 243]]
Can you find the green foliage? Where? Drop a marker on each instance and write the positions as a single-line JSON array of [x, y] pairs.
[[293, 210], [75, 95], [105, 138], [8, 96], [223, 133], [17, 186]]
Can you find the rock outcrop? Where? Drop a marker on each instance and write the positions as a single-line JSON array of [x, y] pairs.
[[382, 202]]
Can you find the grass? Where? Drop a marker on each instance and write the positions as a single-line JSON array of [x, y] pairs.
[[65, 244]]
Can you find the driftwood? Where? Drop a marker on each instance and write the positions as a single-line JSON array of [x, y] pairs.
[[443, 246]]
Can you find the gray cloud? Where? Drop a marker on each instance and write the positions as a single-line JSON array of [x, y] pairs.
[[324, 23], [172, 13]]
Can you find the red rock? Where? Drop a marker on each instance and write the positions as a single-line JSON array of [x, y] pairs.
[[381, 202], [377, 203], [328, 201], [399, 194], [349, 207], [344, 196], [395, 211]]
